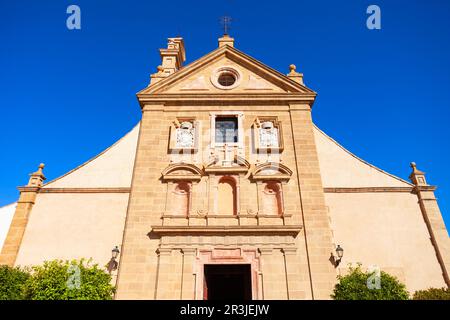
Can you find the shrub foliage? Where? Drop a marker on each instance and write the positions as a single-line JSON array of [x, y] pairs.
[[354, 286], [432, 294], [57, 280], [12, 282]]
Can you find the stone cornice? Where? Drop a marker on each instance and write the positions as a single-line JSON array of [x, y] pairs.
[[235, 169], [368, 189], [229, 98], [275, 177], [424, 188], [28, 189], [195, 109], [226, 216], [85, 190], [226, 230]]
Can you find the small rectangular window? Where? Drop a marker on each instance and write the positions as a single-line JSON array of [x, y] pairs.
[[226, 130]]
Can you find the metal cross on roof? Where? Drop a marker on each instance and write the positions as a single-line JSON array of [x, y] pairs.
[[226, 22]]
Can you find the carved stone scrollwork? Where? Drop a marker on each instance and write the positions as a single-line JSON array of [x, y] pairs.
[[267, 134], [201, 212], [251, 211], [185, 135]]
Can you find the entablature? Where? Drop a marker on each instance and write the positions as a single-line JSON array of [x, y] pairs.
[[291, 230]]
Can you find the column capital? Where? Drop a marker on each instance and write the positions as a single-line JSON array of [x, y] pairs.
[[289, 251], [164, 251], [300, 107], [265, 251], [189, 251], [28, 189]]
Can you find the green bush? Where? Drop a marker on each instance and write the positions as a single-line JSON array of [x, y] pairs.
[[432, 294], [69, 280], [354, 286], [12, 281]]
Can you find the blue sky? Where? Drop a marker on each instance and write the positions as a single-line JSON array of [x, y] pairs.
[[67, 95]]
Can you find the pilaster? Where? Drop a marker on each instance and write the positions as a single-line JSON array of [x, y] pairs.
[[316, 222], [296, 289], [273, 274], [137, 274], [188, 282], [433, 219], [166, 287], [19, 221]]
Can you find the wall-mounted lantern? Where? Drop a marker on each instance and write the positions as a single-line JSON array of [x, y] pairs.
[[339, 255], [113, 264]]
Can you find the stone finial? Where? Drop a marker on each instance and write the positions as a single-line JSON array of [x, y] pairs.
[[159, 75], [415, 170], [40, 168], [37, 178], [294, 75], [226, 40], [173, 56], [417, 177], [172, 59]]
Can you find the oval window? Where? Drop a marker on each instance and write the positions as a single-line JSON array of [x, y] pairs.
[[226, 79]]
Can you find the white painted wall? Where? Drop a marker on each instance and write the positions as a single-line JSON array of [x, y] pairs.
[[6, 215]]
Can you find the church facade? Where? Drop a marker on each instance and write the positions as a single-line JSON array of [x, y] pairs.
[[226, 188]]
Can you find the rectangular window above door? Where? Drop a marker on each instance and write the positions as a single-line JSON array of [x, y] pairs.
[[226, 130]]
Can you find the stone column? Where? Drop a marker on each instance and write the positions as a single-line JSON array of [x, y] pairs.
[[433, 219], [19, 221], [188, 285]]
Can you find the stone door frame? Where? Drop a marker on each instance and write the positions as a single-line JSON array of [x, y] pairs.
[[222, 256]]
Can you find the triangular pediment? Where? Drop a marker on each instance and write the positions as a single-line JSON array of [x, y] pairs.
[[201, 77]]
